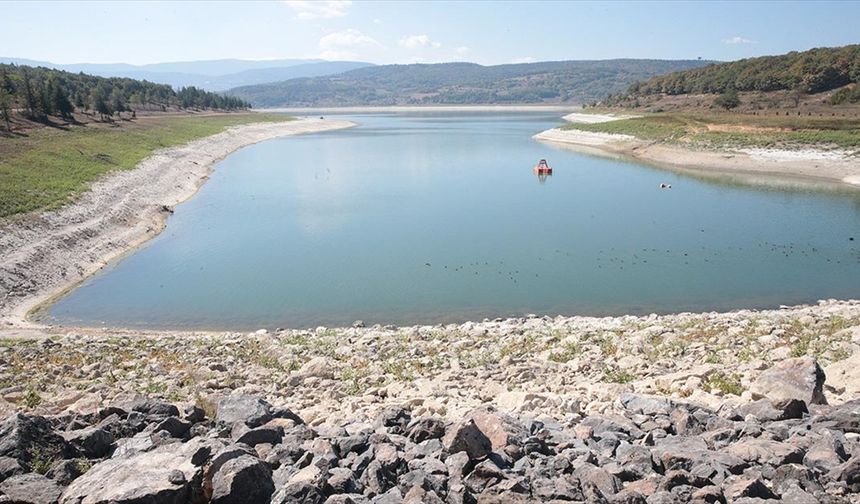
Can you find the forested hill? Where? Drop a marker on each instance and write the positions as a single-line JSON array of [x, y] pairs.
[[462, 83], [40, 92], [813, 71]]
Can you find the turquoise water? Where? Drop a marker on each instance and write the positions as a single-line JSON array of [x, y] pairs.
[[432, 217]]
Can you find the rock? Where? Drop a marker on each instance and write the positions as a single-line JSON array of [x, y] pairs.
[[501, 429], [140, 477], [466, 436], [394, 419], [766, 451], [764, 410], [30, 439], [174, 426], [799, 378], [265, 434], [30, 489], [147, 406], [242, 480], [318, 367], [64, 472], [250, 410], [747, 487], [92, 442], [589, 474], [194, 414], [422, 429]]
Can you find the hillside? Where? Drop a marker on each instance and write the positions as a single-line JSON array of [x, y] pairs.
[[810, 72], [37, 94], [212, 75], [462, 83]]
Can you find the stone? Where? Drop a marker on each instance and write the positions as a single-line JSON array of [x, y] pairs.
[[24, 436], [30, 488], [466, 436], [264, 434], [766, 451], [63, 472], [92, 442], [176, 427], [242, 480], [501, 429], [139, 477], [588, 474], [422, 429], [250, 410], [800, 378], [747, 487]]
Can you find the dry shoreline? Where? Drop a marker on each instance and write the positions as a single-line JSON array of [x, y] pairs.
[[806, 165], [425, 108], [44, 255]]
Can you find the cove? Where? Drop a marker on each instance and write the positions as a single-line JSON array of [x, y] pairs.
[[432, 217]]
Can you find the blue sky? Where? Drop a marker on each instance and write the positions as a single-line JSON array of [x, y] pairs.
[[406, 32]]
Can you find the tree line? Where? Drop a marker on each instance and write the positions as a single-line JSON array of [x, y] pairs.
[[39, 92], [813, 71]]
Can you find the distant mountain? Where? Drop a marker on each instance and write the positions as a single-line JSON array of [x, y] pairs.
[[813, 71], [462, 83], [214, 75]]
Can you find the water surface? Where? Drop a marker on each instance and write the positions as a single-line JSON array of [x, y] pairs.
[[436, 217]]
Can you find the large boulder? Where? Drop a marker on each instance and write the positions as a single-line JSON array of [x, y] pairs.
[[466, 436], [30, 489], [501, 429], [30, 440], [250, 410], [242, 480], [92, 442], [800, 378], [161, 476]]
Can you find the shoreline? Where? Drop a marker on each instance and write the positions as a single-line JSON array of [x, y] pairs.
[[43, 255], [424, 108], [758, 166]]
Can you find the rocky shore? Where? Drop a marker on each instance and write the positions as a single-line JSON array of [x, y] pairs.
[[745, 406]]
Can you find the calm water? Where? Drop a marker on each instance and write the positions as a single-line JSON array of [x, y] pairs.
[[420, 218]]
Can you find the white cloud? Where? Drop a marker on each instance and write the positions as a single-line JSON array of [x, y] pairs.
[[461, 50], [377, 21], [306, 10], [527, 59], [342, 44], [738, 40], [415, 41]]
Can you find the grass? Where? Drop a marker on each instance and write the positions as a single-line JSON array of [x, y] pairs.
[[725, 383], [736, 130], [49, 167]]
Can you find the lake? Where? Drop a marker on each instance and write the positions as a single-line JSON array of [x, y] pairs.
[[437, 217]]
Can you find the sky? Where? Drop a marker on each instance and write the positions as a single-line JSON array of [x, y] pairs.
[[486, 32]]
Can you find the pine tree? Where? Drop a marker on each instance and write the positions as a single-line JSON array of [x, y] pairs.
[[5, 107]]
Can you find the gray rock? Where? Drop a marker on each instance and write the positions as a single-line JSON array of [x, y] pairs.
[[800, 378], [250, 410], [92, 442], [30, 489], [466, 436], [175, 426], [29, 439], [265, 434], [242, 480], [422, 429], [589, 474], [139, 477]]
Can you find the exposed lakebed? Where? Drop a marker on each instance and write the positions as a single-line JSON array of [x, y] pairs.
[[434, 217]]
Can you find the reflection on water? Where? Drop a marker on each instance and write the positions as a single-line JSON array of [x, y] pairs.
[[430, 217]]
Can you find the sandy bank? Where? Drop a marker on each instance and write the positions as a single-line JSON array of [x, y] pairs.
[[42, 255], [805, 164]]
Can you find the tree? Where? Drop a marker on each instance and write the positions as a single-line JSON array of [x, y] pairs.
[[31, 101], [5, 107], [729, 99], [117, 102], [100, 105], [59, 100]]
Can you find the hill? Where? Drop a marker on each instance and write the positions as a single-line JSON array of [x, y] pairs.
[[212, 75], [38, 93], [809, 72], [462, 83]]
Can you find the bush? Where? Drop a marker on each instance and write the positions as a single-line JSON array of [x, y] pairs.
[[728, 99]]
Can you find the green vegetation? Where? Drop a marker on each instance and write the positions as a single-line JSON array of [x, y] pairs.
[[813, 71], [41, 92], [725, 383], [735, 130], [729, 99], [462, 83], [49, 167]]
